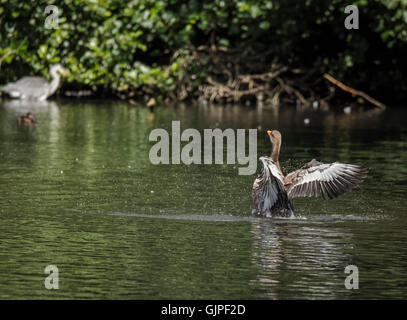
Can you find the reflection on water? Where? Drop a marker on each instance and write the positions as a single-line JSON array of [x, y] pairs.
[[24, 106], [78, 191], [306, 257]]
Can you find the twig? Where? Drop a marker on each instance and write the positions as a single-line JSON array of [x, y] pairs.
[[354, 91], [290, 90]]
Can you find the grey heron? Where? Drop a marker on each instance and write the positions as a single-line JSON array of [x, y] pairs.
[[35, 88], [273, 192]]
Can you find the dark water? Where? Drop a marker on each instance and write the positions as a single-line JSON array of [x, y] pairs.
[[78, 191]]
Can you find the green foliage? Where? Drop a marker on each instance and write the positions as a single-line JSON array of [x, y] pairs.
[[130, 45]]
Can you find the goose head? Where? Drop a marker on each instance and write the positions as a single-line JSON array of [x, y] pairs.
[[275, 136]]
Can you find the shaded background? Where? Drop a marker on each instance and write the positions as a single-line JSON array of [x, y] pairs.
[[138, 47]]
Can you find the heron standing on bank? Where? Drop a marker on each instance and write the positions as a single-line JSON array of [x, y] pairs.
[[36, 88]]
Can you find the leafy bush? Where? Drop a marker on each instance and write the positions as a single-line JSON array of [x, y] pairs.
[[137, 46]]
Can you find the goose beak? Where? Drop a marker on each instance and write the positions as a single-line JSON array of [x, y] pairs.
[[269, 132]]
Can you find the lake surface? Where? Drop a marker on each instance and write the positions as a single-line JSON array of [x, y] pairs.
[[78, 191]]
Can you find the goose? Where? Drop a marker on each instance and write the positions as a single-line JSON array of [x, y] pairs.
[[35, 88], [273, 193]]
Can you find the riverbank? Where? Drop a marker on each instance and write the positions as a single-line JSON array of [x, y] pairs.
[[234, 51]]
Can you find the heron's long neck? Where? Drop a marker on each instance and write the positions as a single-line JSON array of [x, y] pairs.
[[54, 83]]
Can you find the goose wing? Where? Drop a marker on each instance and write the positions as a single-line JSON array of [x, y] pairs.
[[330, 180], [268, 193]]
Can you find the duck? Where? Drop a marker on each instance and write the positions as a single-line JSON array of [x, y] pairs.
[[273, 192], [152, 102], [27, 119], [36, 88]]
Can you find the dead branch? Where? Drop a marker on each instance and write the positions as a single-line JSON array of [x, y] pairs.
[[354, 91], [236, 76], [290, 90]]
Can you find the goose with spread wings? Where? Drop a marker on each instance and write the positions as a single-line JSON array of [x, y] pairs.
[[273, 192]]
